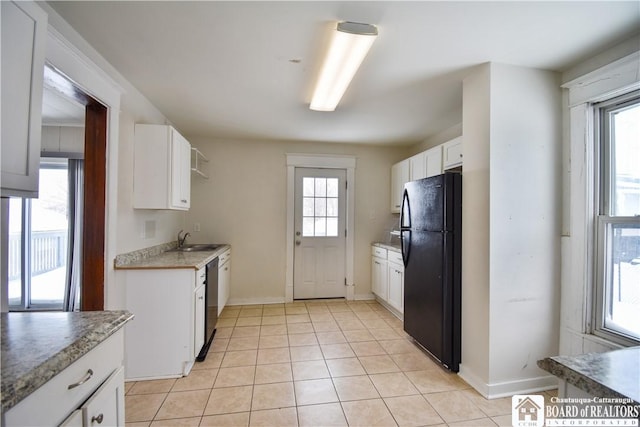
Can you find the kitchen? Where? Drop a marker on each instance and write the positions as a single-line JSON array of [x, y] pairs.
[[225, 206]]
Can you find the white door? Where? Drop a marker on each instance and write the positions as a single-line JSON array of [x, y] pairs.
[[320, 233]]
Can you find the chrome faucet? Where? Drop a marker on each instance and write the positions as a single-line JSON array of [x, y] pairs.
[[181, 239]]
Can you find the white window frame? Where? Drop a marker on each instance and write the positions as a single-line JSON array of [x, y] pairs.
[[604, 219], [610, 79]]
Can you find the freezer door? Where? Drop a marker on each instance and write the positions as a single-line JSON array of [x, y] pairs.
[[424, 201]]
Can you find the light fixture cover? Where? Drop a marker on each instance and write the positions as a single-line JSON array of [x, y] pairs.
[[349, 46]]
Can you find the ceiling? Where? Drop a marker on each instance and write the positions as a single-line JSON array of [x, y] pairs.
[[243, 69]]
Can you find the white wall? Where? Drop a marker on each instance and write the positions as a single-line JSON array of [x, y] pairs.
[[244, 204], [511, 223], [73, 56]]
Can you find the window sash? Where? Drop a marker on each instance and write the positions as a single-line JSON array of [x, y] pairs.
[[603, 323]]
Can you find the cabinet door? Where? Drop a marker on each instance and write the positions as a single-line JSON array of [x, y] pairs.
[[73, 420], [106, 406], [396, 286], [224, 283], [24, 32], [417, 166], [452, 153], [399, 177], [180, 171], [198, 318], [433, 162], [379, 278]]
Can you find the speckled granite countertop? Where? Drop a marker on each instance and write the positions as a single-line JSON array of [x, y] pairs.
[[388, 246], [168, 259], [38, 346], [610, 374]]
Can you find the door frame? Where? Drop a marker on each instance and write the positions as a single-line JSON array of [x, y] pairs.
[[321, 161], [92, 80]]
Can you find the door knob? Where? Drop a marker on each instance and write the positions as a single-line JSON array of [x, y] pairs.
[[297, 242], [297, 233]]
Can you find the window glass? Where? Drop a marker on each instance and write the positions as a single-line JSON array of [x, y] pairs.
[[617, 284], [15, 251], [320, 207]]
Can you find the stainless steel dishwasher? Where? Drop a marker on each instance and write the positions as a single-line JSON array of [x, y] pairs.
[[211, 312]]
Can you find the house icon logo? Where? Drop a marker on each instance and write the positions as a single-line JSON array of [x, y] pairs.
[[527, 410]]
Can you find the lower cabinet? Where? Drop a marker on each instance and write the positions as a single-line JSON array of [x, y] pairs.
[[387, 277], [198, 325], [224, 279], [395, 274], [161, 342], [89, 392]]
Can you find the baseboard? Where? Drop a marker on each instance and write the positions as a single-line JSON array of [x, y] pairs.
[[364, 297], [253, 301], [508, 388]]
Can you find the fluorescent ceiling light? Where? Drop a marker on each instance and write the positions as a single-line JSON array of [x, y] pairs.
[[349, 46]]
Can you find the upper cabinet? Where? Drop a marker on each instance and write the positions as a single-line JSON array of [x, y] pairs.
[[162, 170], [24, 32], [452, 153], [431, 162], [399, 177]]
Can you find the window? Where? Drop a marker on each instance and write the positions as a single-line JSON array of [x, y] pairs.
[[319, 207], [617, 284], [38, 233]]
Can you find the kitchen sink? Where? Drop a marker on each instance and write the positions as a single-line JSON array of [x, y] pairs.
[[197, 247]]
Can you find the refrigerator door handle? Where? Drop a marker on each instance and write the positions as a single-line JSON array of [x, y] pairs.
[[405, 203], [405, 246]]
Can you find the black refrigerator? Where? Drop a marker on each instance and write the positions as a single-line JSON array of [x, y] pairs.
[[430, 229]]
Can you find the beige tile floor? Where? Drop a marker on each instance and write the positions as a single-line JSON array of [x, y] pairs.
[[319, 363]]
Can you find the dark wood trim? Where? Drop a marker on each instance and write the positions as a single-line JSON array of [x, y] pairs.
[[93, 236]]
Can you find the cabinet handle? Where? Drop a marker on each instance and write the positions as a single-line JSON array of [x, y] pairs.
[[200, 297], [99, 418], [82, 381], [184, 200]]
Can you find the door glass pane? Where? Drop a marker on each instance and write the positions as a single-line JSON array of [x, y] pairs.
[[332, 227], [48, 238], [308, 204], [622, 288], [321, 227], [625, 162], [332, 207], [320, 207], [332, 187], [308, 227], [308, 185], [15, 252], [321, 187]]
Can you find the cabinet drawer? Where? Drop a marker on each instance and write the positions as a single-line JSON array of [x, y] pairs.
[[378, 252], [201, 277], [224, 257], [52, 403], [395, 257]]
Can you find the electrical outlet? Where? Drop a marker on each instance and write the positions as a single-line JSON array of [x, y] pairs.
[[196, 226]]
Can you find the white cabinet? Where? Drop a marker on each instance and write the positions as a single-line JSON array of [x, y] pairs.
[[62, 139], [399, 177], [162, 168], [425, 164], [452, 153], [24, 31], [395, 272], [106, 406], [379, 281], [387, 278], [160, 343], [92, 385], [198, 320], [224, 279]]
